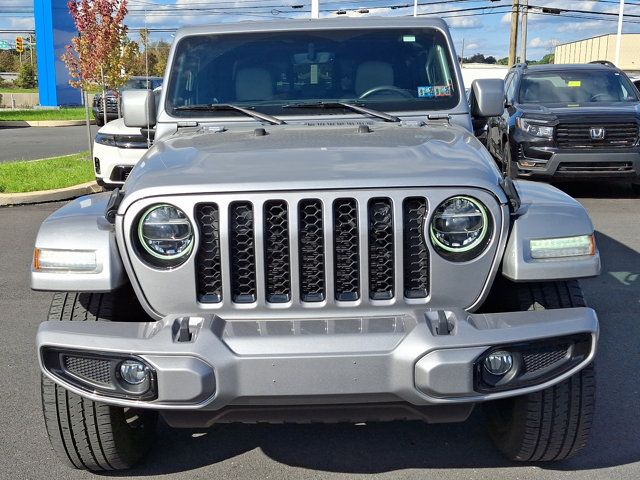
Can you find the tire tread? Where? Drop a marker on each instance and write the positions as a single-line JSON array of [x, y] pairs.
[[554, 423], [87, 434]]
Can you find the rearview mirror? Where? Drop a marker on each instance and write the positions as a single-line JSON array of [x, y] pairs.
[[487, 98], [139, 108]]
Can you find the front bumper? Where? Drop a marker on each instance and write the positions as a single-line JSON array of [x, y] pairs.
[[590, 164], [115, 163], [314, 362]]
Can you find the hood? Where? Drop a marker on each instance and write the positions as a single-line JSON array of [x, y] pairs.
[[578, 110], [306, 157]]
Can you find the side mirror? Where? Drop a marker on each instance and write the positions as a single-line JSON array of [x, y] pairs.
[[139, 108], [487, 98]]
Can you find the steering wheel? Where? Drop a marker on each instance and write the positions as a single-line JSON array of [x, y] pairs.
[[385, 88], [593, 97]]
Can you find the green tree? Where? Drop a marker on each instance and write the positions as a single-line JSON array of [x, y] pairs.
[[548, 58], [98, 54], [8, 61], [162, 52], [26, 77]]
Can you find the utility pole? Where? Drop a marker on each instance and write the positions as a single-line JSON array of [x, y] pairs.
[[315, 8], [523, 37], [31, 42], [513, 40], [415, 8], [462, 52], [619, 37]]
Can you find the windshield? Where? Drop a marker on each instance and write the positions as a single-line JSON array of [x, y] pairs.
[[387, 69], [143, 83], [576, 86]]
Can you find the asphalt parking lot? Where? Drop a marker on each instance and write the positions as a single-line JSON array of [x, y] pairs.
[[390, 451], [31, 143]]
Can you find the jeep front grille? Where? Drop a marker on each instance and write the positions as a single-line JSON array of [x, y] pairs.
[[243, 257], [311, 248], [346, 251], [209, 281], [277, 267], [381, 285], [285, 247]]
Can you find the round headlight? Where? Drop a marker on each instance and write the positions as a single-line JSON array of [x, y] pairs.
[[165, 233], [460, 225]]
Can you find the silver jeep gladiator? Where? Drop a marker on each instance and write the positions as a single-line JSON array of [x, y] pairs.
[[316, 236]]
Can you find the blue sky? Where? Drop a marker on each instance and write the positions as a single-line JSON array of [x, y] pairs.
[[485, 29]]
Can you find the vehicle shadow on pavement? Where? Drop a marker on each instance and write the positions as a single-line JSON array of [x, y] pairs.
[[593, 189], [385, 447]]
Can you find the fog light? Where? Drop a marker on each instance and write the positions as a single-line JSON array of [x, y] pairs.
[[498, 363], [133, 372]]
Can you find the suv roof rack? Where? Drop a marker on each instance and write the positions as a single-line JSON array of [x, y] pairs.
[[604, 62]]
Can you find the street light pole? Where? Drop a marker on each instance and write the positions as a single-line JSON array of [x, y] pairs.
[[619, 37], [315, 8], [415, 8], [523, 39], [513, 40]]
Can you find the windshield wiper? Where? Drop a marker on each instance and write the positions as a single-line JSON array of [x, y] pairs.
[[217, 107], [356, 108]]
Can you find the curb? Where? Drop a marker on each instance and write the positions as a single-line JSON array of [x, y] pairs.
[[42, 196], [44, 123]]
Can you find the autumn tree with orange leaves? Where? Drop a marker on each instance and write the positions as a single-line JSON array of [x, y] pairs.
[[100, 53]]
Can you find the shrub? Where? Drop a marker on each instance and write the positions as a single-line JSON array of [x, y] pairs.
[[26, 77]]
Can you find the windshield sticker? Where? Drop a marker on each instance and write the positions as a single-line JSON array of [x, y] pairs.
[[426, 92], [409, 38], [574, 83], [442, 90]]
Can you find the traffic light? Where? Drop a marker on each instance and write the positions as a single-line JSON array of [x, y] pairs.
[[19, 45]]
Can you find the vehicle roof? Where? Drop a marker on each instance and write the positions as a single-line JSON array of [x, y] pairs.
[[568, 66], [313, 24]]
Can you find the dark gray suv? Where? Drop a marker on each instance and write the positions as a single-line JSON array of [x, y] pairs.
[[568, 122]]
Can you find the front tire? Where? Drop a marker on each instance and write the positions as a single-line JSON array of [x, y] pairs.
[[85, 434], [554, 423]]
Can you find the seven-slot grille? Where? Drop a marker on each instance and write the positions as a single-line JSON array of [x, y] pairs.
[[298, 230], [579, 135]]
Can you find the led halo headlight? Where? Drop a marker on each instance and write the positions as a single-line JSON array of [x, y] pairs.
[[165, 235], [460, 228]]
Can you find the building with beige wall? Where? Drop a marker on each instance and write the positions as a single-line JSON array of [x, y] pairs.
[[602, 47]]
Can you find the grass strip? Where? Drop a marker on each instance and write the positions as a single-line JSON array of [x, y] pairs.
[[17, 90], [39, 115], [46, 174]]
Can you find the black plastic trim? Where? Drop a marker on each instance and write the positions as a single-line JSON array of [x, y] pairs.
[[52, 361], [578, 349]]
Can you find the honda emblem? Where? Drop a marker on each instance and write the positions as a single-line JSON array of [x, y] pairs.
[[597, 133]]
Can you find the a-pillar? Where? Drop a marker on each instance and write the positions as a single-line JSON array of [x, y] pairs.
[[54, 29]]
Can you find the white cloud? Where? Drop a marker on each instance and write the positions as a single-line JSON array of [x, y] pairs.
[[578, 26], [471, 46], [463, 22], [538, 42]]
